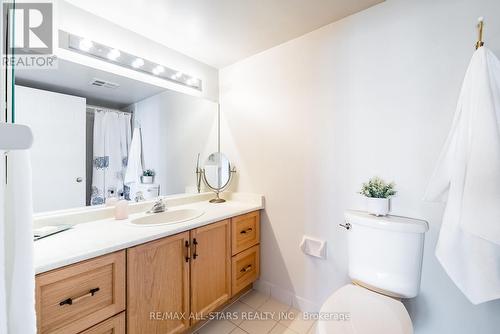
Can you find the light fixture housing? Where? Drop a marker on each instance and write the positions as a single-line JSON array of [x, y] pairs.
[[119, 57]]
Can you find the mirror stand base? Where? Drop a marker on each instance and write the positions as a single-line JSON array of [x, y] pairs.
[[217, 199]]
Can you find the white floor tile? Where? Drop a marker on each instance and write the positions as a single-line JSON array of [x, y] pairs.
[[297, 323], [238, 330], [254, 299], [239, 311], [217, 327], [280, 329], [258, 326], [276, 308], [313, 328]]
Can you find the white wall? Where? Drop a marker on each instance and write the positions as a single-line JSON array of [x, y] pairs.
[[374, 94], [77, 21], [175, 128]]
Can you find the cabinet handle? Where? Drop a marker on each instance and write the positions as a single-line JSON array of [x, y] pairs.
[[245, 269], [195, 254], [246, 231], [70, 301], [186, 244]]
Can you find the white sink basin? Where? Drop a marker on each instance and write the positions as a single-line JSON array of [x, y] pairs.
[[167, 217]]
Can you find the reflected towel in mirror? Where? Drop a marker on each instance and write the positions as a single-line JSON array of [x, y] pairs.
[[134, 166]]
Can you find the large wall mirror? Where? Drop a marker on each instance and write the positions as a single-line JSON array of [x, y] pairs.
[[100, 135]]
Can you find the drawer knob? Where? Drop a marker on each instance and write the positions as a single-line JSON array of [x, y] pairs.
[[245, 269], [246, 231], [70, 301]]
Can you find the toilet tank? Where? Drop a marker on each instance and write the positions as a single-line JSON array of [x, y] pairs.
[[385, 253]]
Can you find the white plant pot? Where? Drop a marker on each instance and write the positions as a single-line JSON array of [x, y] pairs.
[[147, 179], [377, 206]]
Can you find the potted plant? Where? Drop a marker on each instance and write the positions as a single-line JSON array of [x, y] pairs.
[[148, 176], [377, 193]]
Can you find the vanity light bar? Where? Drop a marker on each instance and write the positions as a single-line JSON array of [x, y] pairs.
[[111, 55]]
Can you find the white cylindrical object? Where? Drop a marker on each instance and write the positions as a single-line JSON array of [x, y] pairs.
[[377, 206], [121, 210]]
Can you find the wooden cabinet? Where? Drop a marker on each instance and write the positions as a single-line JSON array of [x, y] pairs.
[[245, 268], [76, 297], [158, 286], [245, 265], [161, 287], [114, 325], [210, 267], [245, 231]]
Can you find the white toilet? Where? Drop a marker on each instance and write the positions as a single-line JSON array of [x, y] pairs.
[[385, 262]]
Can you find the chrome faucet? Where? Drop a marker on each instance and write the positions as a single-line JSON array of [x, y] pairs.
[[158, 207]]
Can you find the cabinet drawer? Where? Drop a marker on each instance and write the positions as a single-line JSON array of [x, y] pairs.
[[245, 231], [115, 325], [245, 268], [74, 298]]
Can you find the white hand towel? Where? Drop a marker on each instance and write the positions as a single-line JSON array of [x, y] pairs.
[[134, 165], [17, 274], [468, 172], [481, 200]]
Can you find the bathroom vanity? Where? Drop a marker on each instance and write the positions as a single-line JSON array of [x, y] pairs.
[[146, 279]]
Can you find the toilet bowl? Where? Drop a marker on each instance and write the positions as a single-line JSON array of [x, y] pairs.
[[385, 264], [356, 310]]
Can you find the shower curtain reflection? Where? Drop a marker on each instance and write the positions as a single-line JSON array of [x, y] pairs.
[[111, 136]]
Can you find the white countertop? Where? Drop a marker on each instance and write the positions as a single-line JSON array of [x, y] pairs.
[[95, 238]]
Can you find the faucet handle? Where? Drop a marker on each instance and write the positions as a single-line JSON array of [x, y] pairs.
[[160, 203], [139, 196]]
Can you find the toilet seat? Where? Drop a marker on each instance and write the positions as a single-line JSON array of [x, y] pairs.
[[363, 312]]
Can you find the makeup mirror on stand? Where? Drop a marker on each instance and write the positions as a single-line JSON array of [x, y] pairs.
[[217, 174], [217, 171]]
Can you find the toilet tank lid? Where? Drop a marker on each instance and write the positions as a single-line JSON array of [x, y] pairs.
[[390, 223]]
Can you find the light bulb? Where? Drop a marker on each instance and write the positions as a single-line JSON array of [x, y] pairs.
[[177, 76], [85, 44], [138, 62], [192, 82], [114, 54], [158, 70]]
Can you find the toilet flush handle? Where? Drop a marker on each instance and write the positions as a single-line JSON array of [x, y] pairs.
[[347, 225]]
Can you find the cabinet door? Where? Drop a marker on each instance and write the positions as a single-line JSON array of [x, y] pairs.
[[210, 267], [158, 286]]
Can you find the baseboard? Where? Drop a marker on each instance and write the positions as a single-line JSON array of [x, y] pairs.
[[286, 296]]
